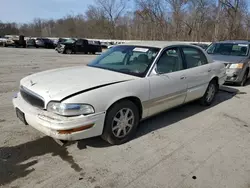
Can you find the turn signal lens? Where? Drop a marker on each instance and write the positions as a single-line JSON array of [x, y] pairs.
[[76, 129]]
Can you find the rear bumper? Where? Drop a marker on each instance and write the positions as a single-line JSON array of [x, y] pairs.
[[53, 125]]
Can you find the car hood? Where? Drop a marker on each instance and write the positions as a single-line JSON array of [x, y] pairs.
[[228, 59], [57, 84]]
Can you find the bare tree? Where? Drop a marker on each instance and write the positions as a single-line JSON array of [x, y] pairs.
[[195, 20], [113, 10], [177, 8]]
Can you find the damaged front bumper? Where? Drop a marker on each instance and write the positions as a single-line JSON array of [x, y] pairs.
[[60, 127], [234, 75]]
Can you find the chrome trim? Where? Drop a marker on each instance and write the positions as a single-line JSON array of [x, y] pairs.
[[163, 99]]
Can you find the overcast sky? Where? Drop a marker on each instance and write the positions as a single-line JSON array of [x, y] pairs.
[[26, 10]]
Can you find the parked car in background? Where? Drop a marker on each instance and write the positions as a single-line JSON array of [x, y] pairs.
[[14, 41], [45, 43], [235, 55], [2, 40], [79, 46], [31, 43], [63, 41], [118, 89]]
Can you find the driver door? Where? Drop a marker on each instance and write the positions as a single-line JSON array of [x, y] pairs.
[[168, 85]]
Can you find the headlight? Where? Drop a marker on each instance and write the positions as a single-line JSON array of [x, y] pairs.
[[66, 109], [236, 66]]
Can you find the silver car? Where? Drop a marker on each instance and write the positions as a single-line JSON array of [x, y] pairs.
[[236, 57]]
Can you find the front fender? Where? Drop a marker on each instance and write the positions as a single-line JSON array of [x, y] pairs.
[[102, 98]]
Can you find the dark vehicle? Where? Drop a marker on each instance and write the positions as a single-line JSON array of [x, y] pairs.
[[62, 41], [31, 43], [44, 43], [79, 46], [16, 41]]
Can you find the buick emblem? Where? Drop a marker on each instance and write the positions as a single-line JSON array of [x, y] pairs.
[[32, 83]]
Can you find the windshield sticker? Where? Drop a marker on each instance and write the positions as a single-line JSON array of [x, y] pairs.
[[140, 49], [246, 45]]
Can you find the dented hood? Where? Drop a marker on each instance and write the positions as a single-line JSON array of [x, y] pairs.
[[57, 84]]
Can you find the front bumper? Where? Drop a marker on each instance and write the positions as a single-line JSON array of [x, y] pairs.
[[234, 75], [53, 125], [60, 50]]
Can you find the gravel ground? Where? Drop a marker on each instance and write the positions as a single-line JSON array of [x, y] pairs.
[[187, 147]]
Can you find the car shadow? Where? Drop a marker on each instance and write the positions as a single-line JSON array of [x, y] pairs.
[[17, 161], [175, 115]]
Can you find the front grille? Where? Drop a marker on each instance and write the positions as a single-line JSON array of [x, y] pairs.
[[32, 99]]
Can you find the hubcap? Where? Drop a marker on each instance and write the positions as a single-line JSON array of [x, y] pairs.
[[210, 92], [123, 122]]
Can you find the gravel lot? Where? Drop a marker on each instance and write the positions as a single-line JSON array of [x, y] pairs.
[[188, 147]]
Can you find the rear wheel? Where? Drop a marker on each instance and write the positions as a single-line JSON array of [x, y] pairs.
[[210, 93], [121, 122]]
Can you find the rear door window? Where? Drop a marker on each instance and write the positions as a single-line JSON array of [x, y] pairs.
[[194, 57]]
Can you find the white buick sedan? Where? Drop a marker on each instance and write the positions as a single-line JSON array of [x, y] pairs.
[[121, 87]]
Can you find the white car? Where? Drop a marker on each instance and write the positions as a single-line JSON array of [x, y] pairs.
[[121, 87]]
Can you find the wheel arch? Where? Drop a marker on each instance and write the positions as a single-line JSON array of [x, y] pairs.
[[216, 79], [133, 99]]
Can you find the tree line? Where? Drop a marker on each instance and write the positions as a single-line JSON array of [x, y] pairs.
[[190, 20]]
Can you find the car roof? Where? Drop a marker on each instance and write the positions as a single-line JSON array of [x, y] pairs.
[[234, 41], [157, 44]]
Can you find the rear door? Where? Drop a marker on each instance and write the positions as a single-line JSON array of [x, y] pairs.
[[198, 72]]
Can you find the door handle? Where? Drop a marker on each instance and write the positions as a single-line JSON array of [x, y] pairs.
[[183, 77], [209, 70]]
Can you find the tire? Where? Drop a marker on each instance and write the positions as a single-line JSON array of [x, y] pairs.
[[210, 94], [114, 133], [244, 79], [68, 51]]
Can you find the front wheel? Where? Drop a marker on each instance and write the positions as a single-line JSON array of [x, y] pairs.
[[121, 122], [68, 51], [244, 79], [210, 94]]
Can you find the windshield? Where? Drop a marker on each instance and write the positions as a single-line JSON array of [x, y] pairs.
[[131, 60], [233, 49]]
